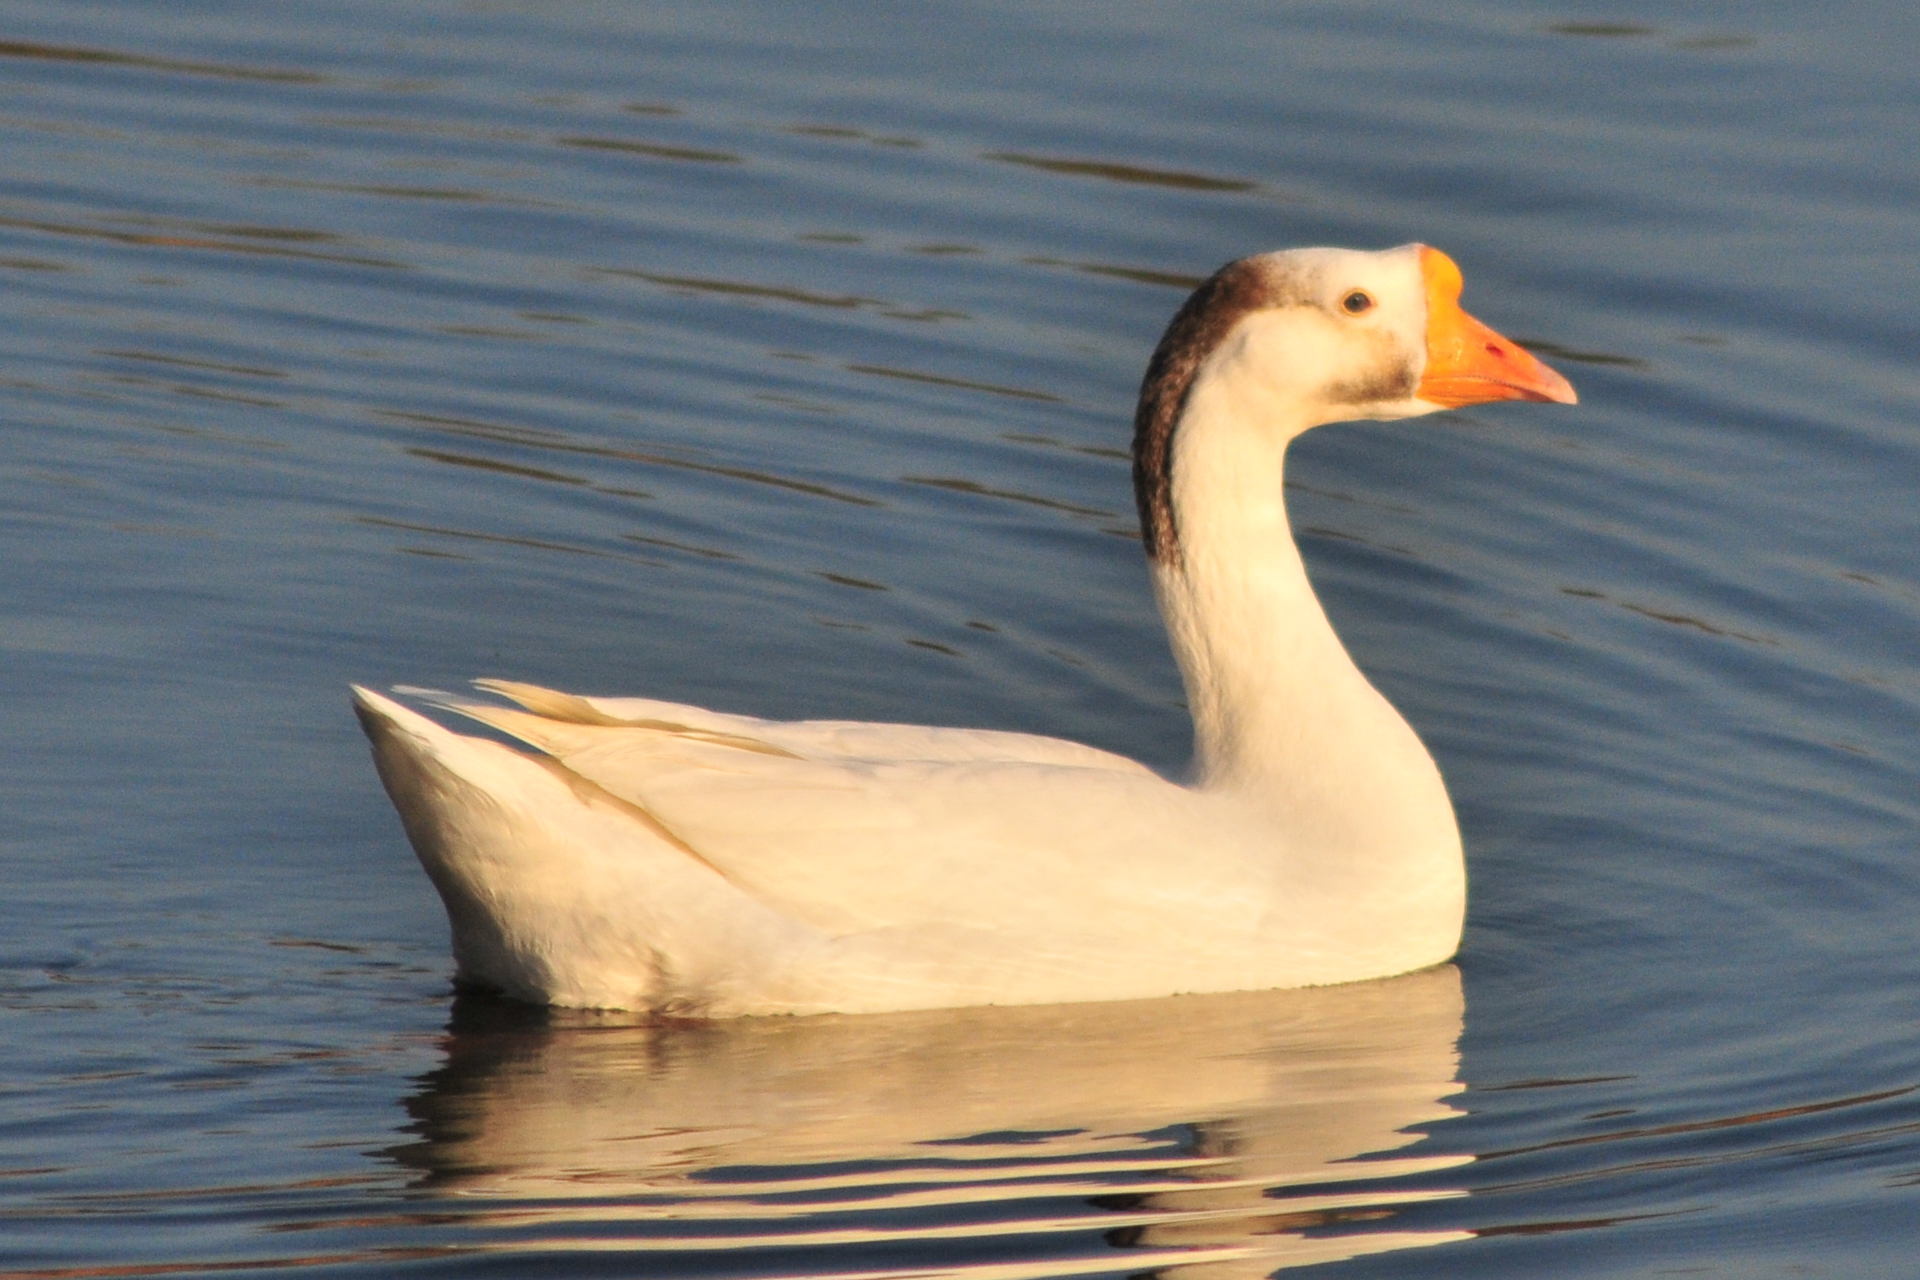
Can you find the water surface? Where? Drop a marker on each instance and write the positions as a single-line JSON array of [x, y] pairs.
[[783, 362]]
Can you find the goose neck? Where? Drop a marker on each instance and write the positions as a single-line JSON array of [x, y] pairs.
[[1265, 674]]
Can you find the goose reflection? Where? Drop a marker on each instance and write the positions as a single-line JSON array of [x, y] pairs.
[[1204, 1134]]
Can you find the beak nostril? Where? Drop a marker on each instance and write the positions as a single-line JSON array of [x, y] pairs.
[[1494, 348]]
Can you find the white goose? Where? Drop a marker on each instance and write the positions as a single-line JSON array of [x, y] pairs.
[[660, 857]]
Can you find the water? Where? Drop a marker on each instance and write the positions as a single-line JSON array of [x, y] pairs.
[[781, 361]]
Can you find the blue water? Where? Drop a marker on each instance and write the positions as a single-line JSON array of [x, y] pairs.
[[782, 361]]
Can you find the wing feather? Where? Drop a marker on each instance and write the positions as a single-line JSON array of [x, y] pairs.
[[814, 739], [846, 843]]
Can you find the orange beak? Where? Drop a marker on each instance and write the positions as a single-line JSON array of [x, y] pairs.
[[1468, 363]]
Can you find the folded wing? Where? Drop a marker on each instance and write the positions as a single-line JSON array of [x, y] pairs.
[[854, 827]]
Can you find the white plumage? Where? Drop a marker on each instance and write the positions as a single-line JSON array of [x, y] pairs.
[[655, 856]]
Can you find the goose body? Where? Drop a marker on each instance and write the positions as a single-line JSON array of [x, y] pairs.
[[647, 855]]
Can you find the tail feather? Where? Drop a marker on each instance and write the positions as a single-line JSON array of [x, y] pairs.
[[558, 892]]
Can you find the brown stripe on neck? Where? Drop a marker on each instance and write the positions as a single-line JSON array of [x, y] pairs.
[[1233, 292]]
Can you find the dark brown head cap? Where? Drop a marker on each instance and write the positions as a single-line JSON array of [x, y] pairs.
[[1232, 293]]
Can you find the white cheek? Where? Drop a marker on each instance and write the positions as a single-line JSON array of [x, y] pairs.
[[1321, 348], [1298, 345], [1302, 366]]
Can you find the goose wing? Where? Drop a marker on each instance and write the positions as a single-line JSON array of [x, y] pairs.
[[859, 831], [813, 739]]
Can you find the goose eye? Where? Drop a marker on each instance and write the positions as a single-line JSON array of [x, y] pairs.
[[1356, 302]]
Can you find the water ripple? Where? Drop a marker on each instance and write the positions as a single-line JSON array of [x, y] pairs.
[[108, 57]]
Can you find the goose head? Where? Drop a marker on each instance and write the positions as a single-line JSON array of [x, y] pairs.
[[1273, 345]]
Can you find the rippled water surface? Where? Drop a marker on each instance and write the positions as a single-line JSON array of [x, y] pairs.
[[781, 359]]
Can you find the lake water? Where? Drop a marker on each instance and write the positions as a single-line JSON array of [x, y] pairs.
[[781, 359]]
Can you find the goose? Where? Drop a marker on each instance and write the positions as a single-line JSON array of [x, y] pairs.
[[642, 855]]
